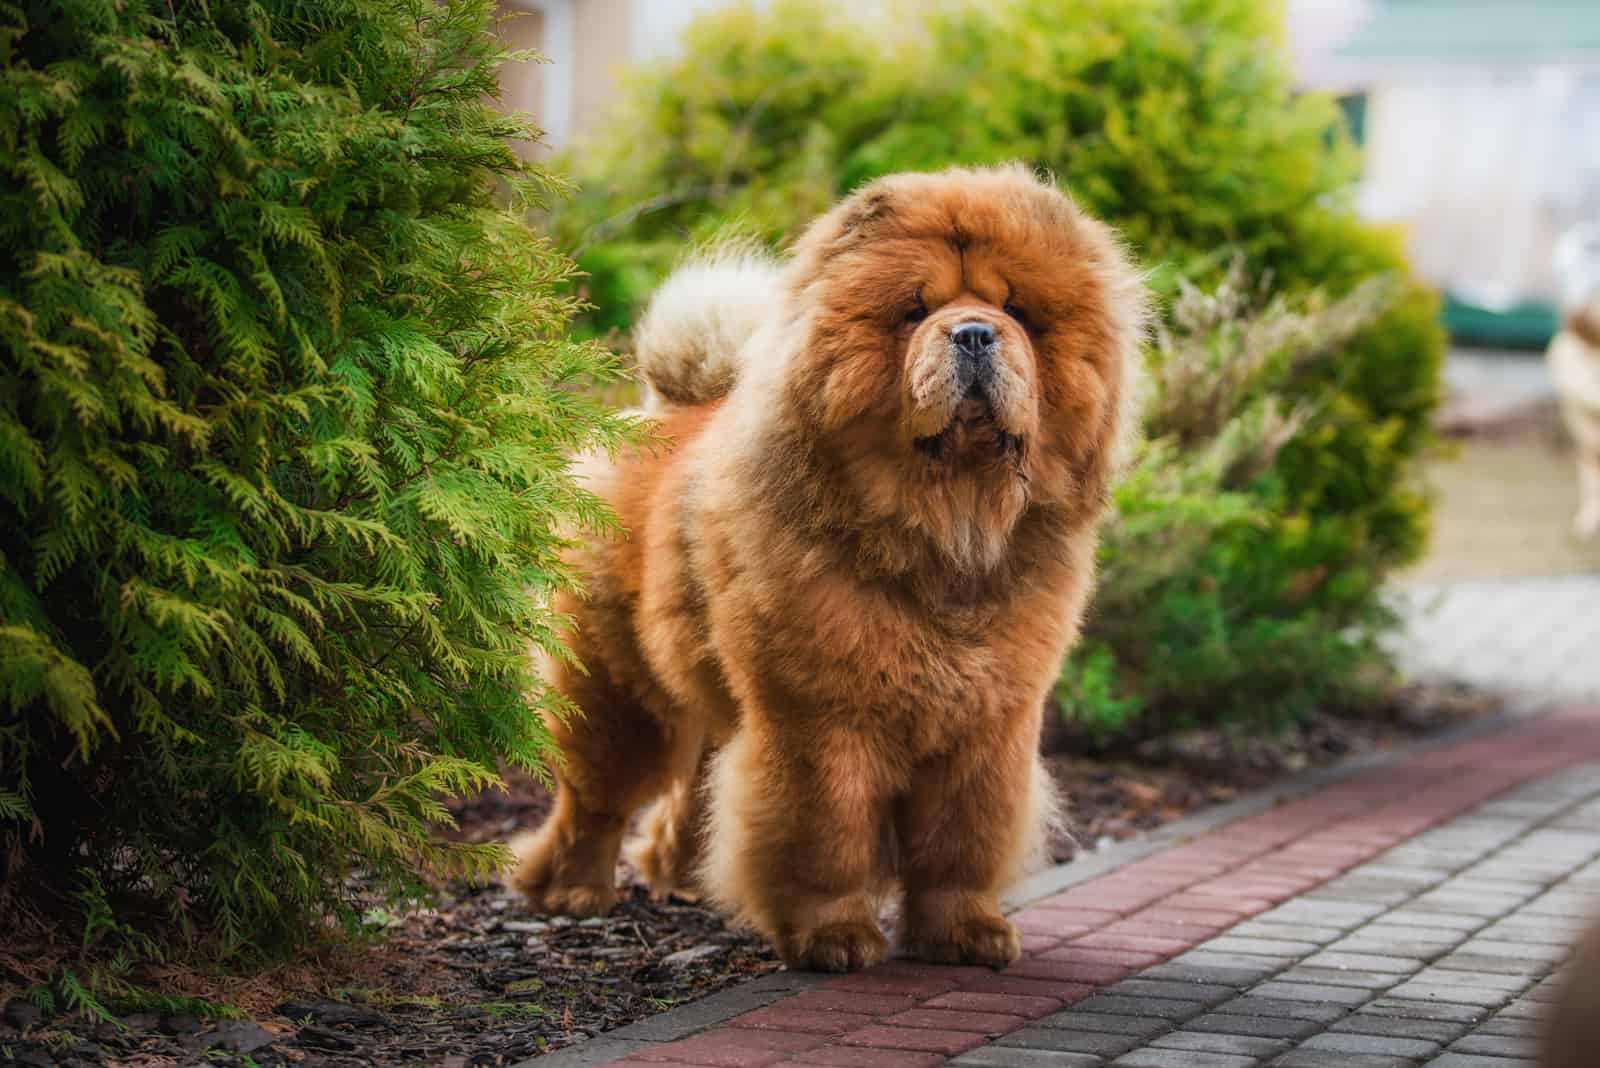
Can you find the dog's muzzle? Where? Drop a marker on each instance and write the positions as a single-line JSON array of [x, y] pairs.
[[973, 346]]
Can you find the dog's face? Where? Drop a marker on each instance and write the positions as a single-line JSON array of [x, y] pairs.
[[969, 338]]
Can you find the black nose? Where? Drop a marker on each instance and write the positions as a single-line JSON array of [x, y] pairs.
[[973, 339]]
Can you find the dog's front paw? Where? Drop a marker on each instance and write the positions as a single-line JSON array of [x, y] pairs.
[[550, 889], [835, 947], [987, 940]]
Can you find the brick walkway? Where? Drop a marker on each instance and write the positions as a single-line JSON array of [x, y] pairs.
[[1407, 913]]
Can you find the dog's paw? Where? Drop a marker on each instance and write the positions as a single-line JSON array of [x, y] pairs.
[[539, 877], [836, 947], [664, 870], [990, 941]]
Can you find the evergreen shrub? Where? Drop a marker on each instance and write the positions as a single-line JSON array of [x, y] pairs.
[[286, 396], [1175, 120]]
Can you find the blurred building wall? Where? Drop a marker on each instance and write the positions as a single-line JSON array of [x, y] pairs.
[[587, 44]]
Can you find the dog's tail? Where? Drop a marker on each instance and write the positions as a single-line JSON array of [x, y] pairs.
[[690, 343]]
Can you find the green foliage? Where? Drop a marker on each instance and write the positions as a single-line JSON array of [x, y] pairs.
[[1201, 590], [285, 399], [1173, 120]]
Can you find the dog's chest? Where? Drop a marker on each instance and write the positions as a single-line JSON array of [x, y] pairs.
[[845, 652]]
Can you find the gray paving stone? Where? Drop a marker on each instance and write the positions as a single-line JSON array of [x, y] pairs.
[[1438, 973], [1335, 995], [1371, 962], [1372, 981], [1075, 1019], [1261, 947], [1453, 993], [1503, 1025], [1576, 908], [1261, 967], [1309, 908], [1376, 891], [1311, 1058], [1498, 1046], [1494, 965], [1535, 930], [1254, 1026], [1482, 905], [1545, 953], [1361, 1022], [1370, 1045], [1203, 974], [1416, 945], [1099, 1043], [1473, 1060], [1302, 932], [1181, 1058], [1292, 1010], [1525, 1009], [1206, 993], [1452, 921], [1005, 1057], [1209, 1042], [1410, 1009], [1549, 990], [1140, 1007]]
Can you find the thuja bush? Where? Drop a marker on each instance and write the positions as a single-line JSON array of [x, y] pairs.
[[285, 396], [1175, 121]]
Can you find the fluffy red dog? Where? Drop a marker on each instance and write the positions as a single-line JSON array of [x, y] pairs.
[[824, 650]]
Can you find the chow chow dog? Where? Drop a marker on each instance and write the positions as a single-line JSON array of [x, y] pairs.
[[1574, 358], [825, 647]]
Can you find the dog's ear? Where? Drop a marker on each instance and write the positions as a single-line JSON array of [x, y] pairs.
[[854, 218], [864, 208]]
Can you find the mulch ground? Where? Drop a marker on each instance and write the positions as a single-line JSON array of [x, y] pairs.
[[474, 980]]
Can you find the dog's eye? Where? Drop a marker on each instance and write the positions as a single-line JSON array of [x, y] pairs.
[[1017, 313], [917, 312]]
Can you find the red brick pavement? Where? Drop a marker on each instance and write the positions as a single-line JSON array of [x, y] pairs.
[[903, 1014]]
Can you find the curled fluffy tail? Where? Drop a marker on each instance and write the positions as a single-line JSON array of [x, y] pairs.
[[689, 343]]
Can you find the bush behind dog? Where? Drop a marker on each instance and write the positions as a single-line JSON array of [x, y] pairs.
[[1175, 122]]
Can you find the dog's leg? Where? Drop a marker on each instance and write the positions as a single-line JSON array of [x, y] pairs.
[[667, 852], [794, 846], [966, 829], [615, 757], [1587, 523]]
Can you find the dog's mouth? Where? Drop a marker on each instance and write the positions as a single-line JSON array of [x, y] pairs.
[[973, 428]]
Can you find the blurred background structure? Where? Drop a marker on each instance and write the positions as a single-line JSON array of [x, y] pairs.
[[1480, 119], [588, 43]]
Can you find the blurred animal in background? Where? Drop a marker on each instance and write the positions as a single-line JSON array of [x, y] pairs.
[[1572, 1031], [1574, 358]]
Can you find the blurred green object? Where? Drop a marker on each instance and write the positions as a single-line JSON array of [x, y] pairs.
[[1529, 325], [1176, 121], [287, 402]]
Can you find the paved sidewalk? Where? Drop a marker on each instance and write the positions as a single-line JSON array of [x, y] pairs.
[[1514, 635], [1404, 913]]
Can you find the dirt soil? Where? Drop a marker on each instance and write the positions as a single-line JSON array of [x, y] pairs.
[[474, 980]]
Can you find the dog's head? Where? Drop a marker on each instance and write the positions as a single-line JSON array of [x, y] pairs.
[[971, 338]]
